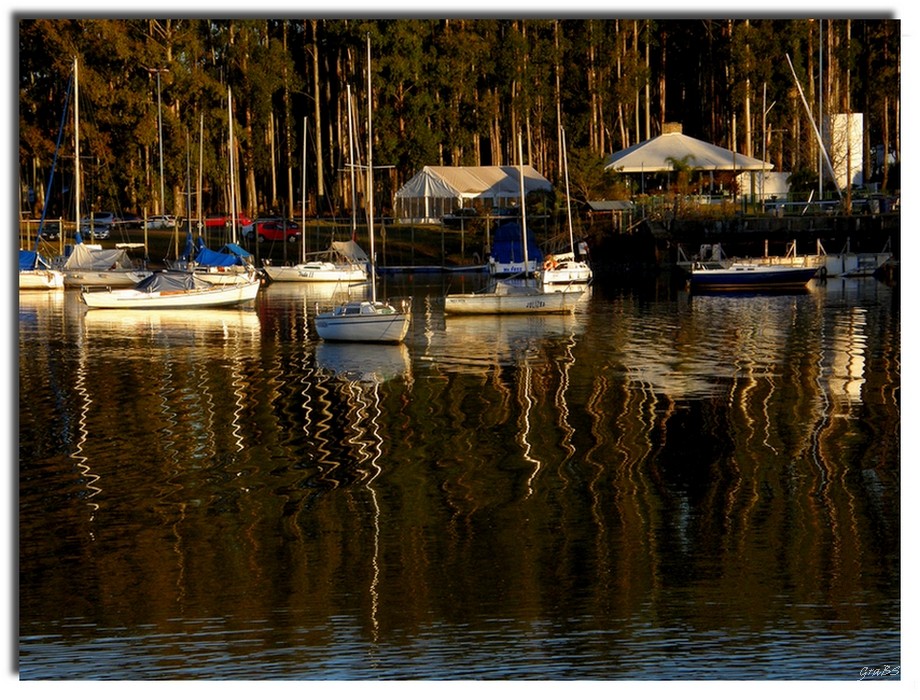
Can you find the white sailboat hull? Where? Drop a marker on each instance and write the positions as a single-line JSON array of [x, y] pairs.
[[216, 296], [363, 322], [514, 300], [41, 279], [567, 273], [316, 272]]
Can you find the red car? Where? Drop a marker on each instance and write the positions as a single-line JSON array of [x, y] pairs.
[[224, 220], [273, 230]]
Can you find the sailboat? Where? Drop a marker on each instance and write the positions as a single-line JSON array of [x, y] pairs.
[[91, 264], [34, 271], [561, 271], [366, 321], [506, 297], [345, 261], [231, 264], [173, 289]]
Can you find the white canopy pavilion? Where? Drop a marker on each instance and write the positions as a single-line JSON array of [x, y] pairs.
[[437, 190], [658, 154]]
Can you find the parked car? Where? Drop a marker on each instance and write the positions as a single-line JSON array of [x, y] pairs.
[[224, 220], [164, 221], [97, 231], [98, 221], [51, 231], [459, 216], [272, 230]]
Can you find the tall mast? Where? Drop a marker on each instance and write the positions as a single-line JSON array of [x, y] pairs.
[[200, 170], [303, 197], [523, 208], [827, 159], [351, 160], [370, 172], [76, 139], [232, 181], [568, 201]]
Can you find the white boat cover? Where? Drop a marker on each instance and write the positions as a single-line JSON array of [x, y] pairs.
[[85, 258], [349, 251]]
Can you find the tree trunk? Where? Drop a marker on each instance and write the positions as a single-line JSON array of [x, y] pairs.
[[320, 189], [648, 83], [638, 110], [748, 127]]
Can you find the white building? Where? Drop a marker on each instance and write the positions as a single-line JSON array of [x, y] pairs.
[[844, 143]]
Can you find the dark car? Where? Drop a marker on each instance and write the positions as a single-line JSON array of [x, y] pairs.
[[272, 230], [51, 230], [459, 216]]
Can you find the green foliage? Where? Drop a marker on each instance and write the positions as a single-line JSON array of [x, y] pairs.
[[445, 91]]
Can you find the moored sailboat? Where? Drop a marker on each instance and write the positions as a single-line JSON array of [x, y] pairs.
[[562, 271], [344, 261], [751, 277], [366, 321], [504, 297], [171, 289], [90, 264], [36, 273]]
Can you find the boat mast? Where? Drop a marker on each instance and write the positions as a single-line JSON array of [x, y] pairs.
[[351, 160], [232, 183], [303, 197], [200, 172], [370, 173], [76, 141], [827, 158], [568, 200], [523, 208]]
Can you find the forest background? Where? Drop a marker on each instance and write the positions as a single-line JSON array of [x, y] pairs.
[[445, 92]]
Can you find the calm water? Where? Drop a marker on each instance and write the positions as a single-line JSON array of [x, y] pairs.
[[660, 487]]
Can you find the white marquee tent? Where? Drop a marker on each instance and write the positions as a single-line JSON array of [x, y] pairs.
[[438, 190], [657, 154]]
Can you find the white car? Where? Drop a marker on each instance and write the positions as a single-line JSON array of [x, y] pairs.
[[165, 221]]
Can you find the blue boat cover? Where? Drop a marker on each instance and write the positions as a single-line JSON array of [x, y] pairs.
[[189, 251], [234, 249], [28, 260], [507, 246], [230, 254]]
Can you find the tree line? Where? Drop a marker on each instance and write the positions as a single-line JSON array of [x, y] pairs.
[[445, 92]]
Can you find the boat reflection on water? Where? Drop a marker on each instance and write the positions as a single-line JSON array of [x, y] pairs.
[[195, 323], [515, 375], [43, 301], [314, 292], [365, 364], [709, 486], [356, 373], [476, 342]]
